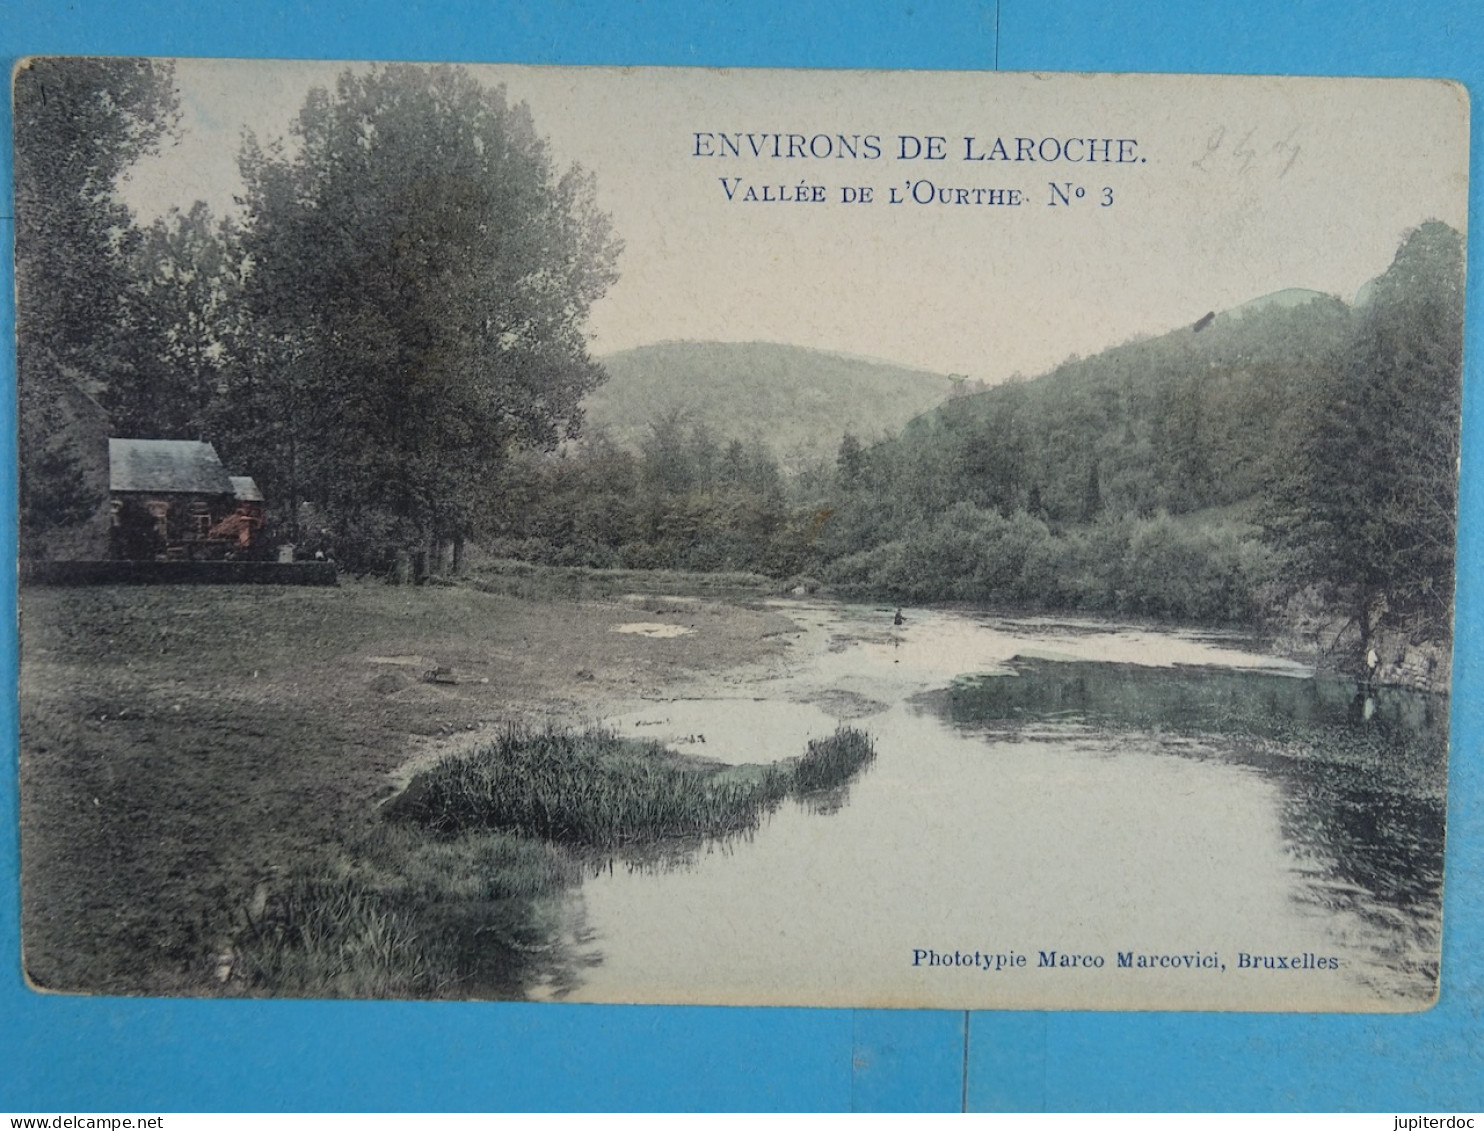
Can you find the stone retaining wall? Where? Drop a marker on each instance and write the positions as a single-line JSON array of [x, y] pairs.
[[178, 573]]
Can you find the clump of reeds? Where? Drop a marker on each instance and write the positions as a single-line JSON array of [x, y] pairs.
[[595, 788], [830, 762]]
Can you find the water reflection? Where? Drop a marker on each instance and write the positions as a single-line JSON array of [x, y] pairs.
[[1361, 771], [684, 853], [1096, 795]]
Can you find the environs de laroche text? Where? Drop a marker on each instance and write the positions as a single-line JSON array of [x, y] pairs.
[[778, 145]]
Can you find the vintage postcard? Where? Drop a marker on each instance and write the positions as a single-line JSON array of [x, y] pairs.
[[950, 540]]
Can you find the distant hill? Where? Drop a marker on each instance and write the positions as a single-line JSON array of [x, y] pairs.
[[800, 402], [1282, 300]]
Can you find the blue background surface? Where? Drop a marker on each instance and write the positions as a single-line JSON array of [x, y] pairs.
[[83, 1054]]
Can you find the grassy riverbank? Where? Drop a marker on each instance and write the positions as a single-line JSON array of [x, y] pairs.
[[190, 755], [402, 914], [457, 893]]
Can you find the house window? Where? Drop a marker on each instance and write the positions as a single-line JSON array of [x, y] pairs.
[[160, 511]]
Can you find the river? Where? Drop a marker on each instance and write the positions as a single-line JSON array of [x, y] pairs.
[[1062, 814]]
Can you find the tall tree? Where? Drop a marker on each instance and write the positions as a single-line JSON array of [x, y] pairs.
[[1369, 510], [79, 125], [420, 278]]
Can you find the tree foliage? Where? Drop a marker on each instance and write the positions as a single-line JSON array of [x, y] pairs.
[[687, 500], [184, 312], [419, 278], [79, 124]]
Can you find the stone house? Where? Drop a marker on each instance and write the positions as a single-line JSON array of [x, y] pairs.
[[173, 500]]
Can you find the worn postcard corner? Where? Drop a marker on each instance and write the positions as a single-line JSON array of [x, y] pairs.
[[760, 537]]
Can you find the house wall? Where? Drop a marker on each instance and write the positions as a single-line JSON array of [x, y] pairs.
[[150, 526]]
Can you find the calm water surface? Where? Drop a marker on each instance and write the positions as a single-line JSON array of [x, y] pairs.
[[1043, 785]]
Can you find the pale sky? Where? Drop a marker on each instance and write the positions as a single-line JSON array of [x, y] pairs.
[[1235, 187]]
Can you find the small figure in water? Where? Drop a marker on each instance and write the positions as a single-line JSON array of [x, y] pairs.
[[1363, 706], [897, 620]]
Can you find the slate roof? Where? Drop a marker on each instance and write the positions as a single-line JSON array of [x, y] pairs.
[[177, 466], [245, 489]]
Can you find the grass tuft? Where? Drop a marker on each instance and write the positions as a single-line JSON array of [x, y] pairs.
[[597, 789]]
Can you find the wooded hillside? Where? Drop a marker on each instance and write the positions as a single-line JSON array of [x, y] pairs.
[[800, 402]]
